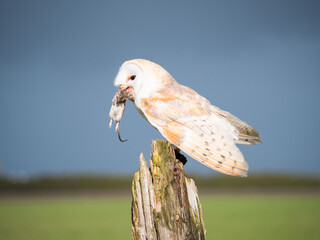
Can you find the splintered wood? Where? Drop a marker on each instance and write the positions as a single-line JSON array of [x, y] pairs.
[[165, 203]]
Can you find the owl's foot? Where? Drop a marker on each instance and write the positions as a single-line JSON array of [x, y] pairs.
[[179, 156]]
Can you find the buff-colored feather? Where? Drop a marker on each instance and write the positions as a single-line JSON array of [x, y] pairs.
[[186, 119]]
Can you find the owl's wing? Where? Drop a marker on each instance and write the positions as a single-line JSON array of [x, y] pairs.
[[188, 122], [247, 134]]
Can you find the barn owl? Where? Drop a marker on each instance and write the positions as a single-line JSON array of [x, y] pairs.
[[186, 119]]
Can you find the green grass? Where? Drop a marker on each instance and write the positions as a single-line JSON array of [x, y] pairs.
[[262, 217], [65, 219], [225, 217]]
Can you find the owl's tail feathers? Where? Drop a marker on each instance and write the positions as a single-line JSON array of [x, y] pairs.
[[247, 134], [248, 140]]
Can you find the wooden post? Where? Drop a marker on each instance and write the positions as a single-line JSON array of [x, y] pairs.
[[165, 203]]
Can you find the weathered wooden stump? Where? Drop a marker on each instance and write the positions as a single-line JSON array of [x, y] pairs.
[[165, 203]]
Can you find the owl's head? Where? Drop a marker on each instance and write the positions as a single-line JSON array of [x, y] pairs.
[[141, 77]]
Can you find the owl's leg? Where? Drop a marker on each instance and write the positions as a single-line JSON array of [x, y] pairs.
[[179, 156]]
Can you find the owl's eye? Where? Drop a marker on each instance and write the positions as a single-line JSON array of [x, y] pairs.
[[132, 77]]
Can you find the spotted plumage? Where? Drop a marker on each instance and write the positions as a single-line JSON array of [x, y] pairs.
[[186, 119]]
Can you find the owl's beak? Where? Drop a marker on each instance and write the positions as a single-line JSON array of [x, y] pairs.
[[125, 88]]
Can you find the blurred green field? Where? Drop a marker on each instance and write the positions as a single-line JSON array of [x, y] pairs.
[[225, 216]]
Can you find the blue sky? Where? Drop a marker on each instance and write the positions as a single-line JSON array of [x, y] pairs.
[[256, 59]]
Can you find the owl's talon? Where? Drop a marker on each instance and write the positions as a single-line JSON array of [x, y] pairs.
[[179, 156], [183, 117]]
